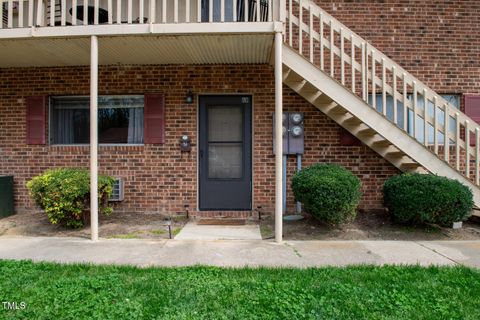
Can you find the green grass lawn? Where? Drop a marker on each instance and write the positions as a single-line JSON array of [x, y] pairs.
[[53, 291]]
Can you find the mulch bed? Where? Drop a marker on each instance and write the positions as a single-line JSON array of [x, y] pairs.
[[123, 225], [367, 226]]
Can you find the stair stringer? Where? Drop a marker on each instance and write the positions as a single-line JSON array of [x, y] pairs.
[[368, 116]]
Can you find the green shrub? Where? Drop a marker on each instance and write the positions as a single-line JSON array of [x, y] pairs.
[[329, 192], [415, 198], [64, 194]]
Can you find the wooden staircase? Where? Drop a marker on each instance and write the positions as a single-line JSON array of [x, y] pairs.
[[376, 100]]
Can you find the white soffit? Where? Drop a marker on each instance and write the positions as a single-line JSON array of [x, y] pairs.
[[183, 49]]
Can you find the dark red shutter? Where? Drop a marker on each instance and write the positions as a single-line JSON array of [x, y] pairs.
[[36, 114], [154, 119], [472, 109], [348, 139]]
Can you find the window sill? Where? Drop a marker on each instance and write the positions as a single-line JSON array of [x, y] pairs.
[[100, 145], [103, 148]]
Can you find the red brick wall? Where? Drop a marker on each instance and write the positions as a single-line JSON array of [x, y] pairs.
[[159, 178]]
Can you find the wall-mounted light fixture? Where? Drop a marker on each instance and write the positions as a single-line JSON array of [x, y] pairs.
[[185, 143], [189, 97]]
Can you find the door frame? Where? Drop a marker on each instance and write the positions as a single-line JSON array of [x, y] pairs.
[[252, 188]]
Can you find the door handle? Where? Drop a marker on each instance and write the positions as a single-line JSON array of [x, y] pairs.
[[201, 153]]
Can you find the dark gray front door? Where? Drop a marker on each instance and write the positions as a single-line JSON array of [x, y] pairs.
[[225, 152]]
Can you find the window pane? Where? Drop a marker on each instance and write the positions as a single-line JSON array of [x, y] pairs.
[[225, 160], [225, 123], [70, 120], [419, 135], [120, 102], [120, 125], [453, 99], [389, 107], [120, 120]]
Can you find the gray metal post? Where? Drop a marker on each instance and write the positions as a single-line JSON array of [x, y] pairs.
[[299, 168], [284, 191]]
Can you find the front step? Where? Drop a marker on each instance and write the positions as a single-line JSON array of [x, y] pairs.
[[247, 214], [221, 222], [363, 121]]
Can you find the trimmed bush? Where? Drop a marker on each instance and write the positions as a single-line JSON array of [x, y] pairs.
[[329, 192], [415, 198], [64, 194]]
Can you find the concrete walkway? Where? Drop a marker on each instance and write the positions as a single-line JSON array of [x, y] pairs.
[[240, 253]]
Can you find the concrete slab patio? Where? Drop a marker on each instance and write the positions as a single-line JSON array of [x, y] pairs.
[[192, 231], [240, 253]]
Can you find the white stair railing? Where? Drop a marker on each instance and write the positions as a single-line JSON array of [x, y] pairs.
[[385, 85], [43, 13]]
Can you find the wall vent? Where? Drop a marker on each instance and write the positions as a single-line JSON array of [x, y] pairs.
[[117, 192]]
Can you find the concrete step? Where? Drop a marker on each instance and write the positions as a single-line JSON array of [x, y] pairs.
[[247, 214]]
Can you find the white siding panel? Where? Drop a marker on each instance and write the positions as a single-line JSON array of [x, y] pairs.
[[198, 49]]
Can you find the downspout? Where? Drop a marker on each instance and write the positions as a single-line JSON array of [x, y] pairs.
[[284, 186], [299, 168]]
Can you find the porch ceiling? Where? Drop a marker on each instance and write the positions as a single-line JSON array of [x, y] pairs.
[[164, 49]]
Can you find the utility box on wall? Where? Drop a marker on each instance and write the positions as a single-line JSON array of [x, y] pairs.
[[6, 196], [293, 133]]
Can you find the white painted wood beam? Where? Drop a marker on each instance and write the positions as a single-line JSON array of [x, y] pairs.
[[144, 29], [278, 140], [94, 138]]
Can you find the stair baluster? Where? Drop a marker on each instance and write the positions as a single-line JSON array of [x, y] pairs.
[[394, 81]]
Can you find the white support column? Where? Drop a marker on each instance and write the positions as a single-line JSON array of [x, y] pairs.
[[278, 141], [94, 138]]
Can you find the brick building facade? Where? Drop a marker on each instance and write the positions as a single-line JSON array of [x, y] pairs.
[[435, 42]]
